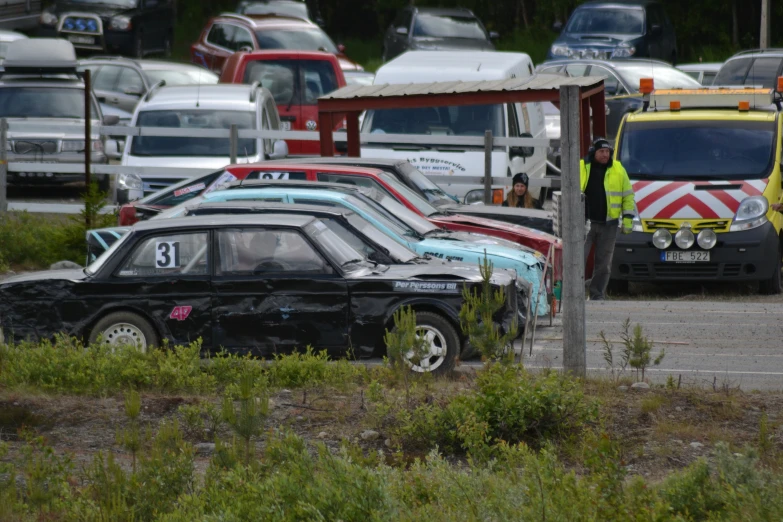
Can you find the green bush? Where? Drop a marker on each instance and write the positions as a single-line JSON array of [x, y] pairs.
[[311, 368]]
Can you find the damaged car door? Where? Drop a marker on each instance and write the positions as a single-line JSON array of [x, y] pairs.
[[275, 293]]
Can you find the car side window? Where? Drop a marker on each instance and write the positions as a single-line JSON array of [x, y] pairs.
[[130, 82], [171, 254], [557, 69], [708, 78], [733, 72], [763, 72], [242, 39], [356, 181], [278, 174], [106, 79], [612, 84], [576, 69], [221, 35], [267, 251]]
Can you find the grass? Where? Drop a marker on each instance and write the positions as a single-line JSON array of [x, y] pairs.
[[653, 403]]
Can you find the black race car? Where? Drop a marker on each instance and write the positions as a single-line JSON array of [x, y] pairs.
[[258, 284]]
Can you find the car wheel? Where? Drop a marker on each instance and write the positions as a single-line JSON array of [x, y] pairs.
[[120, 328], [442, 341], [771, 286]]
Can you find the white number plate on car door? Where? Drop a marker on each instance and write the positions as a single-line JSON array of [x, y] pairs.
[[685, 257]]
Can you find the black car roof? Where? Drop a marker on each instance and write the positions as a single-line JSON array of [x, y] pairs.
[[223, 220], [445, 11]]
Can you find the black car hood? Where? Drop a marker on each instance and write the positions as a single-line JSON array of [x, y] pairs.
[[443, 44], [75, 274], [102, 10]]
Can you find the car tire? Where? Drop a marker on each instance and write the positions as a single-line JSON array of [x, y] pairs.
[[119, 328], [442, 336], [771, 286], [618, 287]]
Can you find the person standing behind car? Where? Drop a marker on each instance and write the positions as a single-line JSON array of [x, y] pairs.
[[519, 196], [608, 198]]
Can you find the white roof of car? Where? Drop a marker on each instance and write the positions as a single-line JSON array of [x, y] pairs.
[[221, 96], [710, 66], [431, 66]]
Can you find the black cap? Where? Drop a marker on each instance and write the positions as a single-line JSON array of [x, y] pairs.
[[520, 178], [602, 143]]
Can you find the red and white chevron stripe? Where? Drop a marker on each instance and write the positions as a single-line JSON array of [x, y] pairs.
[[680, 199]]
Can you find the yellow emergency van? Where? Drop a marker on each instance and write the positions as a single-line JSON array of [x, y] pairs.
[[705, 166]]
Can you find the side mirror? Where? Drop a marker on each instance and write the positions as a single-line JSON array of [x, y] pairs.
[[656, 30], [557, 26], [521, 152], [402, 30], [112, 149], [280, 150], [494, 35], [341, 48], [133, 92], [111, 119]]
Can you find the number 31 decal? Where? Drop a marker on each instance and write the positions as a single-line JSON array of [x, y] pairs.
[[167, 254]]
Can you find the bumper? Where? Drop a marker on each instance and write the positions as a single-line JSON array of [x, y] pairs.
[[110, 41], [23, 177], [748, 255]]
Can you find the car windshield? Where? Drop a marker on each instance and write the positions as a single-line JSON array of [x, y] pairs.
[[414, 199], [96, 265], [441, 26], [340, 251], [185, 190], [606, 21], [396, 251], [696, 150], [284, 78], [44, 102], [664, 76], [193, 119], [466, 120], [292, 9], [431, 191], [182, 76], [307, 40]]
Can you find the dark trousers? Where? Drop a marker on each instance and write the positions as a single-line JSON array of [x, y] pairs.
[[603, 236]]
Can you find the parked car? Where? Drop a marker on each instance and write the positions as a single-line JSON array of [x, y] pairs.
[[459, 167], [130, 27], [6, 37], [621, 82], [121, 82], [201, 107], [292, 8], [704, 73], [39, 83], [277, 283], [229, 33], [759, 67], [296, 80], [431, 29], [605, 29]]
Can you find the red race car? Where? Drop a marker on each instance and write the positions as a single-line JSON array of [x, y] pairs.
[[387, 183]]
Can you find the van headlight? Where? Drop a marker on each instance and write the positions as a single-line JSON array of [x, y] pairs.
[[120, 23], [662, 239], [560, 50], [624, 51], [707, 239], [684, 238], [129, 181], [752, 213]]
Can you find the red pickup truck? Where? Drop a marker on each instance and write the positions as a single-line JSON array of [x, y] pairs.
[[296, 79]]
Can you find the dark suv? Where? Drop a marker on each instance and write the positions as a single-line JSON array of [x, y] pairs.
[[758, 67], [435, 29], [617, 29], [129, 27]]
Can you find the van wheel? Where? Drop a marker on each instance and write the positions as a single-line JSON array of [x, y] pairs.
[[771, 286], [119, 328], [442, 343]]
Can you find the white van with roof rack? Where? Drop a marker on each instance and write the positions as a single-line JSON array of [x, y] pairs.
[[504, 120]]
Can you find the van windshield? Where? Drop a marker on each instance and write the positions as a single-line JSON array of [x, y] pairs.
[[466, 120], [698, 150], [606, 21]]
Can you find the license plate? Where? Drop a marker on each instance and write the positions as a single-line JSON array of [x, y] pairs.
[[84, 40], [285, 125], [685, 257]]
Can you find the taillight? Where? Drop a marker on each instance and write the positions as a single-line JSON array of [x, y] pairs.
[[497, 196], [128, 215]]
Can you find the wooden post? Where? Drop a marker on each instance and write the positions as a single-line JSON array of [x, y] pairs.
[[352, 126], [488, 167], [87, 142], [764, 33], [233, 143], [3, 164], [326, 127], [573, 291]]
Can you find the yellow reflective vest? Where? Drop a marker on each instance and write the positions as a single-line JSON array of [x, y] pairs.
[[619, 193]]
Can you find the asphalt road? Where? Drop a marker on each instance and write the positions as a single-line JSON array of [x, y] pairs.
[[728, 344]]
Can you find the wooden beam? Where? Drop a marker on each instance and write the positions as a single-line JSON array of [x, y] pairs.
[[354, 145], [325, 128]]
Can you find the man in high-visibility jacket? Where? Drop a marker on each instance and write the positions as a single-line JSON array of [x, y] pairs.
[[608, 198]]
